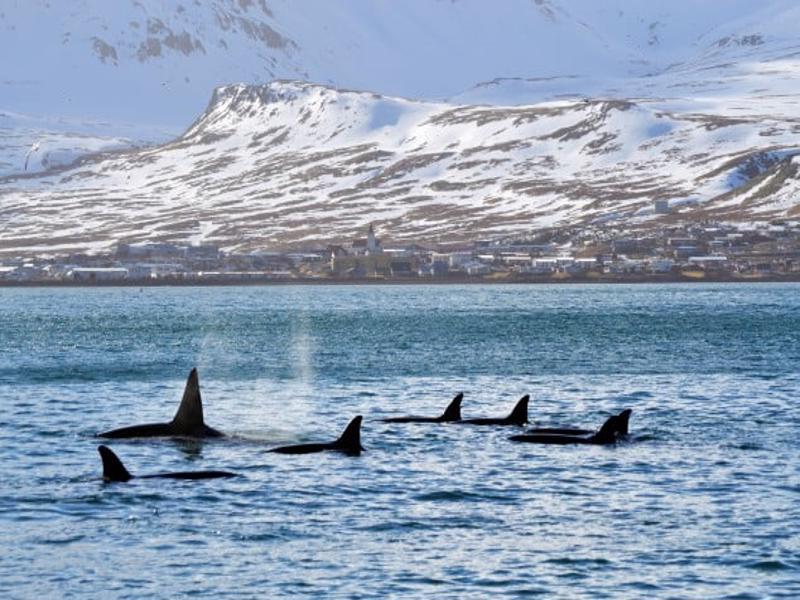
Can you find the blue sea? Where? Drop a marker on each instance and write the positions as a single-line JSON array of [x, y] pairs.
[[702, 502]]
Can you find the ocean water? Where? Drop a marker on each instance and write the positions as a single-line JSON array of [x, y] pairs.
[[703, 502]]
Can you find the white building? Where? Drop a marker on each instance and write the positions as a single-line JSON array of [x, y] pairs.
[[512, 258], [370, 246], [7, 272], [153, 270], [708, 263], [457, 260]]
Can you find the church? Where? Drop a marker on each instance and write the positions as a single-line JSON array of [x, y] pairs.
[[371, 246], [364, 258]]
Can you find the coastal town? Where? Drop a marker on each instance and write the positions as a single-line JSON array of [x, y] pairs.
[[703, 251]]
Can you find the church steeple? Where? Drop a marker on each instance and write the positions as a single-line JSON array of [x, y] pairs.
[[372, 243]]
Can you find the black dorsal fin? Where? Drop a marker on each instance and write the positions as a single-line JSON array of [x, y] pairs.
[[350, 440], [453, 410], [622, 421], [113, 469], [519, 416], [607, 434], [190, 413]]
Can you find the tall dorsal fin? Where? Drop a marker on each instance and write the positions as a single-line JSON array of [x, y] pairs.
[[190, 413], [607, 434], [622, 421], [113, 469], [519, 416], [350, 440], [453, 410]]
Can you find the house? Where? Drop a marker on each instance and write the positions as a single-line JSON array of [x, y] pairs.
[[714, 262], [98, 274], [675, 242], [582, 265], [148, 251], [661, 265], [545, 264], [436, 268], [625, 266], [684, 252], [625, 245], [513, 258], [7, 272], [477, 268], [202, 253], [661, 207], [375, 265], [401, 267], [335, 250], [298, 258], [459, 260], [27, 272], [154, 270]]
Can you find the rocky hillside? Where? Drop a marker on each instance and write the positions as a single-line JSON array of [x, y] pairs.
[[289, 163]]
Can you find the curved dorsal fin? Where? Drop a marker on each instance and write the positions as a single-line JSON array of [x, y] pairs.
[[350, 440], [113, 469], [607, 434], [622, 421], [453, 410], [190, 412], [519, 416]]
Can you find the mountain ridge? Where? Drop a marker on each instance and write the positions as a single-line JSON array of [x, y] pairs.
[[293, 163], [588, 113]]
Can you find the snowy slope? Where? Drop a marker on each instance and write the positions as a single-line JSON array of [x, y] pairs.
[[155, 62], [588, 111], [29, 144], [290, 163]]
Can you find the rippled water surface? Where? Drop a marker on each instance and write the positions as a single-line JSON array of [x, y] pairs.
[[704, 502]]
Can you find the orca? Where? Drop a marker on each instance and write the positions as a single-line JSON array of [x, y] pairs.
[[518, 416], [451, 414], [622, 427], [606, 435], [187, 422], [348, 443], [114, 470]]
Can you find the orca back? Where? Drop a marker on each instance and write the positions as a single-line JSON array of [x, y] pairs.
[[187, 422], [140, 431], [301, 448], [191, 475]]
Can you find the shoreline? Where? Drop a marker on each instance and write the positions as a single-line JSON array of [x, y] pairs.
[[265, 281]]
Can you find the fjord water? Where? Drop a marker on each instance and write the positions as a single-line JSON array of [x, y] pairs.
[[704, 502]]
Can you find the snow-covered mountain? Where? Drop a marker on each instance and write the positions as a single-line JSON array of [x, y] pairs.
[[153, 63], [291, 163], [518, 114]]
